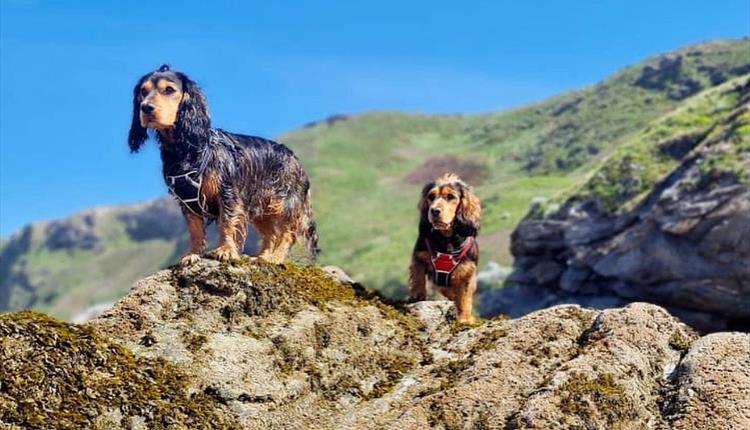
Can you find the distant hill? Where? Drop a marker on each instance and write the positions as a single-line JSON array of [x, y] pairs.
[[367, 171], [62, 267]]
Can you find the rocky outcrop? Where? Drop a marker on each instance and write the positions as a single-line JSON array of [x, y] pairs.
[[681, 240], [715, 371], [285, 347], [666, 75], [46, 259]]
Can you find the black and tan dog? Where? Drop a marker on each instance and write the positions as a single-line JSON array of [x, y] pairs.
[[217, 175], [446, 253]]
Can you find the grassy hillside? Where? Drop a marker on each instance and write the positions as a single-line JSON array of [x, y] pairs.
[[368, 169], [664, 218], [715, 123]]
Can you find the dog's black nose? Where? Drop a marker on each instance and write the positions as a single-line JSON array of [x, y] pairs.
[[147, 108], [435, 211]]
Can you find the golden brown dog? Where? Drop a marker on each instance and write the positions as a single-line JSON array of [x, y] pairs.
[[446, 253]]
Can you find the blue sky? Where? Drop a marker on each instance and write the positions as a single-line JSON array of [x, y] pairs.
[[67, 71]]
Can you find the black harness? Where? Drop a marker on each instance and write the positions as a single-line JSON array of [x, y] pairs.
[[186, 187]]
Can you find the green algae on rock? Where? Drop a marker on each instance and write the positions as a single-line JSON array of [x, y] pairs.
[[59, 375], [287, 288], [588, 398]]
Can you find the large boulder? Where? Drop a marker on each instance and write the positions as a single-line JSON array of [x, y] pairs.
[[286, 347]]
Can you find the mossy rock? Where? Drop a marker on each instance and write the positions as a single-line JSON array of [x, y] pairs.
[[286, 288], [55, 375], [596, 399]]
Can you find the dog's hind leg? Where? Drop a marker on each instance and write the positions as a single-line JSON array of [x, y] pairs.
[[278, 238], [265, 228], [283, 244], [197, 229]]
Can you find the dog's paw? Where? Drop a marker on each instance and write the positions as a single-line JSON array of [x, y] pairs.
[[189, 259], [418, 296], [270, 259], [467, 320], [226, 253]]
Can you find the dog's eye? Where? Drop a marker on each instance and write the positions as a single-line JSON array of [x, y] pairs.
[[144, 92], [431, 197], [450, 197], [168, 90]]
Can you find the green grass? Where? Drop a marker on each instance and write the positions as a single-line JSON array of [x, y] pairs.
[[624, 178]]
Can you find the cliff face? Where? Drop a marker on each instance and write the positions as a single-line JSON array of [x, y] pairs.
[[665, 219], [260, 346]]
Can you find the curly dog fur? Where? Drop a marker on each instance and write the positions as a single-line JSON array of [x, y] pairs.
[[450, 215], [221, 176]]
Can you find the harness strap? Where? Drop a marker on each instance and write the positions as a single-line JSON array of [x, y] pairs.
[[189, 202], [444, 264], [188, 190]]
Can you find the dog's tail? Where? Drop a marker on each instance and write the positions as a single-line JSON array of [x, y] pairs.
[[309, 229]]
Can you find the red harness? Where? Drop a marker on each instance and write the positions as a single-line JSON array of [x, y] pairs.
[[443, 264]]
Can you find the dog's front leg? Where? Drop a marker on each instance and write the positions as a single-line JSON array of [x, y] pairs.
[[464, 297], [230, 215], [417, 277], [197, 229]]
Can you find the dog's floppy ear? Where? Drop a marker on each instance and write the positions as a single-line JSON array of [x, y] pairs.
[[137, 135], [424, 223], [468, 213], [193, 123]]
